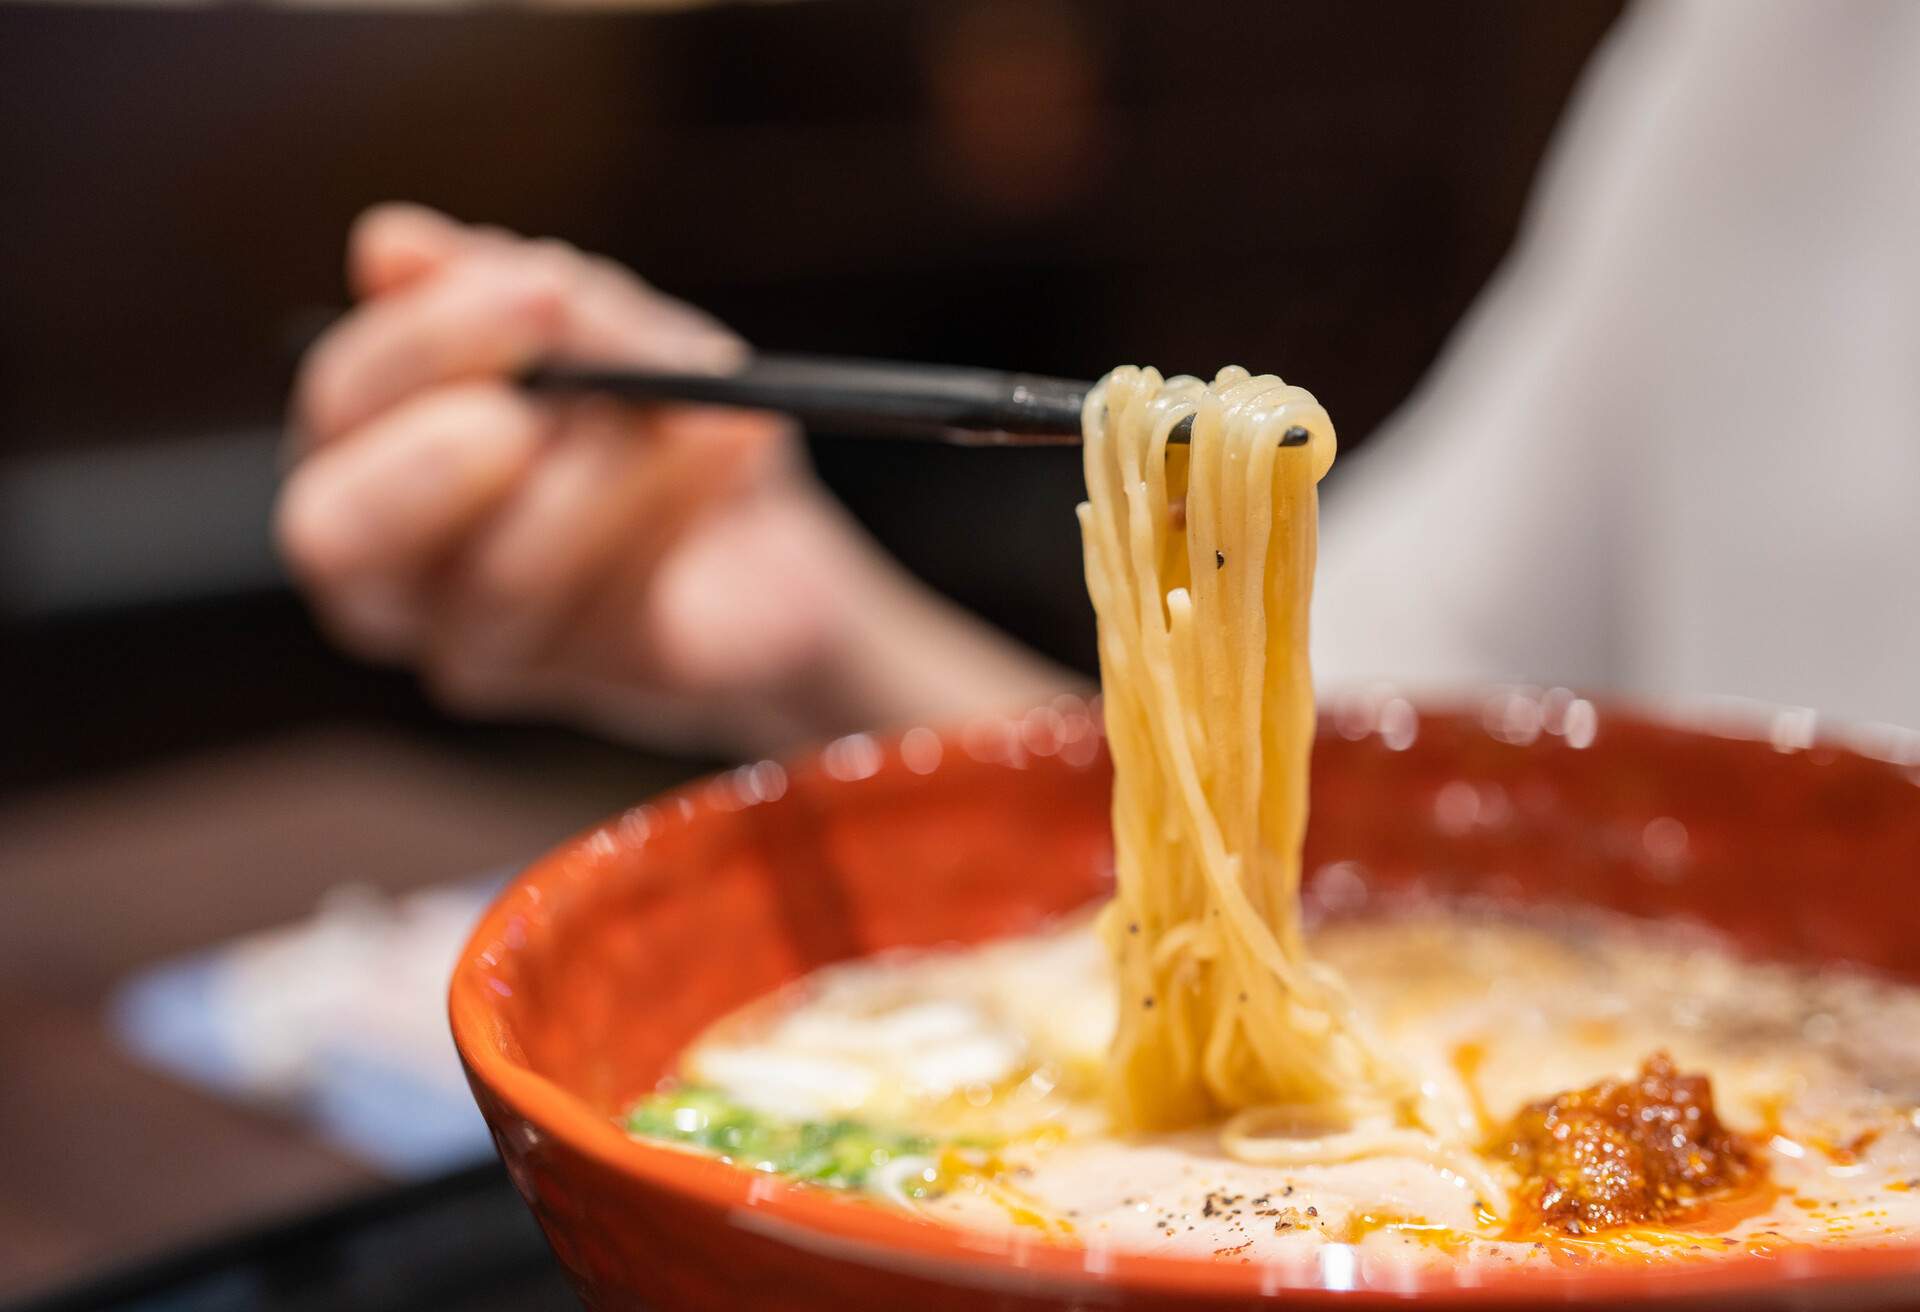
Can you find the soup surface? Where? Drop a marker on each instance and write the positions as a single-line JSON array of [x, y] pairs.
[[966, 1084]]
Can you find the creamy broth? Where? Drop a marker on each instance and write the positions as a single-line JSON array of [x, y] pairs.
[[966, 1085], [1192, 1075]]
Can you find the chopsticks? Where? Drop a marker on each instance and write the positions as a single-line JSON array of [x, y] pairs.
[[865, 398], [868, 398]]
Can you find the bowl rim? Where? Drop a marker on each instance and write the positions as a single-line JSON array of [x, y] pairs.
[[862, 1232]]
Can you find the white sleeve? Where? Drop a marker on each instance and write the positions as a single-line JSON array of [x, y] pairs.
[[1697, 363], [1469, 541]]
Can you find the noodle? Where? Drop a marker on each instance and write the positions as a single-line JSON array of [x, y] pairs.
[[1200, 561]]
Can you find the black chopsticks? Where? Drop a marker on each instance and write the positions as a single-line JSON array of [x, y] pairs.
[[868, 398]]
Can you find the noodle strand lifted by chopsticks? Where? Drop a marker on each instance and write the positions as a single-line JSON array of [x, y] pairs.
[[1200, 563]]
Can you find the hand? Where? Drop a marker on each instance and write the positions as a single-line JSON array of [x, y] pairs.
[[671, 573]]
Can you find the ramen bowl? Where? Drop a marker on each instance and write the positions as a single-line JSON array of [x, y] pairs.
[[594, 970]]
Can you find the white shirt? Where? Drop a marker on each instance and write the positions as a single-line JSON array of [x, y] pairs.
[[1675, 449]]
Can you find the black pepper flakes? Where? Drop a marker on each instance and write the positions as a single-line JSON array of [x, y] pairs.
[[1219, 560]]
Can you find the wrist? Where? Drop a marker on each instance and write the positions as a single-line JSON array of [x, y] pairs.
[[897, 653]]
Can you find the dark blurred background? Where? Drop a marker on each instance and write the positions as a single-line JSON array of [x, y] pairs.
[[184, 759]]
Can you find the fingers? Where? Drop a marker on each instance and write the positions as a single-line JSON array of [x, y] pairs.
[[608, 500], [485, 314], [615, 317], [512, 548], [396, 244], [463, 302], [534, 563], [365, 523]]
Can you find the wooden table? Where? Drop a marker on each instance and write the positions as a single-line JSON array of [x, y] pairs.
[[104, 1162]]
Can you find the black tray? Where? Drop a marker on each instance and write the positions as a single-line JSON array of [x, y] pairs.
[[458, 1243]]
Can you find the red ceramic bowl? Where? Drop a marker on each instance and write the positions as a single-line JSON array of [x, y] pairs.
[[594, 969]]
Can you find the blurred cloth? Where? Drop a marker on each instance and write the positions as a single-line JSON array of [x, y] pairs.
[[1675, 450], [339, 1020]]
